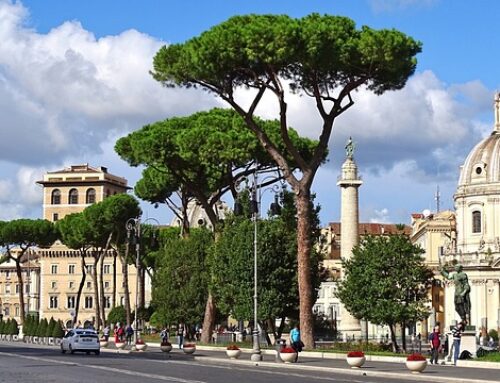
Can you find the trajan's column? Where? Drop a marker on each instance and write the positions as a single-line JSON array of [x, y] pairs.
[[349, 183]]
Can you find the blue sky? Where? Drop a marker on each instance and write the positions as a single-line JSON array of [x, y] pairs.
[[74, 77]]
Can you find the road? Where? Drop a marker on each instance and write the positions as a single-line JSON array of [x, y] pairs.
[[29, 364]]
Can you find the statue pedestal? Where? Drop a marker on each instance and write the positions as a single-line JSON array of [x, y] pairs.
[[468, 343]]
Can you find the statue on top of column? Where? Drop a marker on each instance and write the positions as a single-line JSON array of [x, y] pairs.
[[349, 148]]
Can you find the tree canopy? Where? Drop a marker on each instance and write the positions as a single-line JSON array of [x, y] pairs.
[[321, 56], [386, 282]]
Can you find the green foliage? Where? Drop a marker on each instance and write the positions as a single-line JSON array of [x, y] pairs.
[[232, 258], [117, 314], [50, 327], [386, 281], [26, 233], [58, 331], [6, 327], [14, 328], [314, 51], [2, 325], [493, 334], [29, 323], [42, 328], [180, 281]]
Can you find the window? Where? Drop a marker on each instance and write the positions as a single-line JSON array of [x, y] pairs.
[[89, 285], [71, 269], [122, 300], [106, 285], [17, 310], [55, 198], [55, 217], [71, 302], [73, 197], [53, 284], [107, 302], [90, 268], [90, 197], [88, 302], [17, 288], [107, 269], [27, 288], [71, 284], [7, 274], [476, 221], [7, 310], [7, 288], [53, 269], [53, 302]]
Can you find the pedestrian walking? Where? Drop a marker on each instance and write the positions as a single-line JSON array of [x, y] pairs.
[[295, 341], [456, 332], [129, 332], [181, 332], [435, 343], [105, 332]]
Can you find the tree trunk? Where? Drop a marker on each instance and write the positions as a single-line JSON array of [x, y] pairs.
[[303, 264], [208, 320], [113, 297], [96, 290], [279, 332], [403, 335], [80, 289], [19, 273], [395, 347], [125, 283], [141, 284]]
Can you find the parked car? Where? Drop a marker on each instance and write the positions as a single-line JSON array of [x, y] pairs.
[[80, 339]]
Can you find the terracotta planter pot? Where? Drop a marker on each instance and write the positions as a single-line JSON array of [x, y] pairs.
[[288, 357], [189, 350], [355, 361], [233, 354], [103, 343], [141, 347], [166, 348], [416, 366]]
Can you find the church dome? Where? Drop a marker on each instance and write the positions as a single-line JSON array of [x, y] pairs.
[[482, 165], [483, 162]]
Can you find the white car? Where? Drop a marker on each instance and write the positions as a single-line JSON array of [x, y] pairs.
[[80, 339]]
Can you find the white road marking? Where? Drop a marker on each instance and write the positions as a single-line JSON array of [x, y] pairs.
[[105, 368]]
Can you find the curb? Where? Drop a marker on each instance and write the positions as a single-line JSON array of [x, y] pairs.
[[358, 372]]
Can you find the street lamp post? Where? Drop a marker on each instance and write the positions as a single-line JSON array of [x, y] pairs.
[[133, 225], [257, 192]]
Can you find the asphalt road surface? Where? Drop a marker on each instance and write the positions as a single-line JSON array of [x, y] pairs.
[[33, 364]]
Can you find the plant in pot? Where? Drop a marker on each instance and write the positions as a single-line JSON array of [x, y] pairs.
[[189, 348], [166, 346], [233, 351], [140, 345], [288, 355], [355, 359], [416, 363]]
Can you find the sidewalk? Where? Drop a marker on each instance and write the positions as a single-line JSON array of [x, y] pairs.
[[375, 366]]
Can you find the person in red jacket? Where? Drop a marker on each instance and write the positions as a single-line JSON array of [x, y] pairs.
[[435, 343]]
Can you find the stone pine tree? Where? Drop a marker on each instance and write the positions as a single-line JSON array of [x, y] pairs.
[[386, 282], [18, 237], [323, 57], [202, 156]]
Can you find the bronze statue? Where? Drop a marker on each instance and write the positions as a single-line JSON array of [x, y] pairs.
[[349, 148], [462, 292]]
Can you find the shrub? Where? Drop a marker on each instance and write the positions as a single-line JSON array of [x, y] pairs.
[[6, 327], [493, 334], [287, 350], [117, 314], [50, 327], [233, 347], [355, 354], [58, 330], [415, 357], [42, 328], [2, 325], [14, 328]]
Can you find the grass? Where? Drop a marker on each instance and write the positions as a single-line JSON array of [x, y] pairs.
[[491, 357]]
